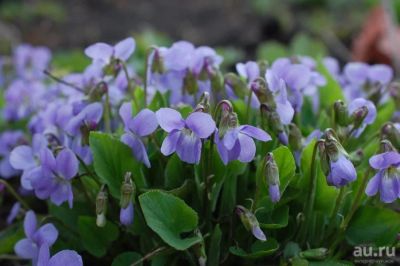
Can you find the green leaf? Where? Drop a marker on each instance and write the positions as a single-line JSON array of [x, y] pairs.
[[169, 217], [278, 219], [258, 250], [126, 259], [286, 165], [96, 240], [325, 195], [111, 160], [303, 44], [373, 226], [9, 237], [332, 91]]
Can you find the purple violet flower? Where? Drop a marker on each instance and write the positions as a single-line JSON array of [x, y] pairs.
[[53, 178], [126, 215], [103, 53], [387, 179], [89, 116], [184, 135], [341, 171], [143, 124], [237, 143], [28, 248], [61, 258]]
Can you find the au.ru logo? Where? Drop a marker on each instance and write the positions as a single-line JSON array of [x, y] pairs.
[[368, 254]]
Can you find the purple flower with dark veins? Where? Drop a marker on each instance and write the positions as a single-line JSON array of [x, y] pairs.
[[143, 124], [53, 178], [89, 116], [61, 258], [387, 179], [28, 248], [103, 53], [184, 135]]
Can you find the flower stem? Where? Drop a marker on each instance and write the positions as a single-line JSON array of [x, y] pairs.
[[338, 203], [248, 108], [149, 255], [353, 209], [107, 114], [124, 68], [15, 194], [309, 205]]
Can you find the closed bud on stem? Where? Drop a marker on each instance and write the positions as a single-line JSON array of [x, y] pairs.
[[359, 115], [341, 114], [237, 84], [390, 132], [157, 66], [295, 137], [324, 159], [272, 176], [190, 83], [250, 222], [217, 81], [263, 65], [101, 206], [127, 191], [264, 95], [204, 103], [97, 92], [386, 146]]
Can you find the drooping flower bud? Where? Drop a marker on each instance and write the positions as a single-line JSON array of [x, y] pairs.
[[295, 137], [238, 86], [200, 250], [127, 191], [217, 81], [190, 84], [126, 214], [341, 114], [274, 123], [97, 92], [272, 176], [324, 159], [390, 132], [340, 170], [157, 64], [264, 95], [101, 207], [359, 115], [387, 146], [250, 222], [204, 103]]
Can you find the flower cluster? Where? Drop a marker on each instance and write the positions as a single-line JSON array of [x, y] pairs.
[[185, 129]]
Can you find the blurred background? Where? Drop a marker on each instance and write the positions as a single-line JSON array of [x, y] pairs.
[[240, 30]]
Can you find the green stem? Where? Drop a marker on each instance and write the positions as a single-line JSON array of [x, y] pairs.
[[332, 220], [88, 171], [146, 71], [248, 108], [149, 255], [15, 194], [311, 195], [353, 209], [107, 114], [125, 69]]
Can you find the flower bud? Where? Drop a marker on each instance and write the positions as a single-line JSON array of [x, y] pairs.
[[387, 146], [238, 86], [359, 115], [190, 83], [204, 103], [341, 114], [324, 159], [272, 175], [217, 81], [157, 64], [250, 222], [228, 120], [259, 87], [127, 191], [126, 214], [295, 137], [101, 207], [390, 132], [97, 92]]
